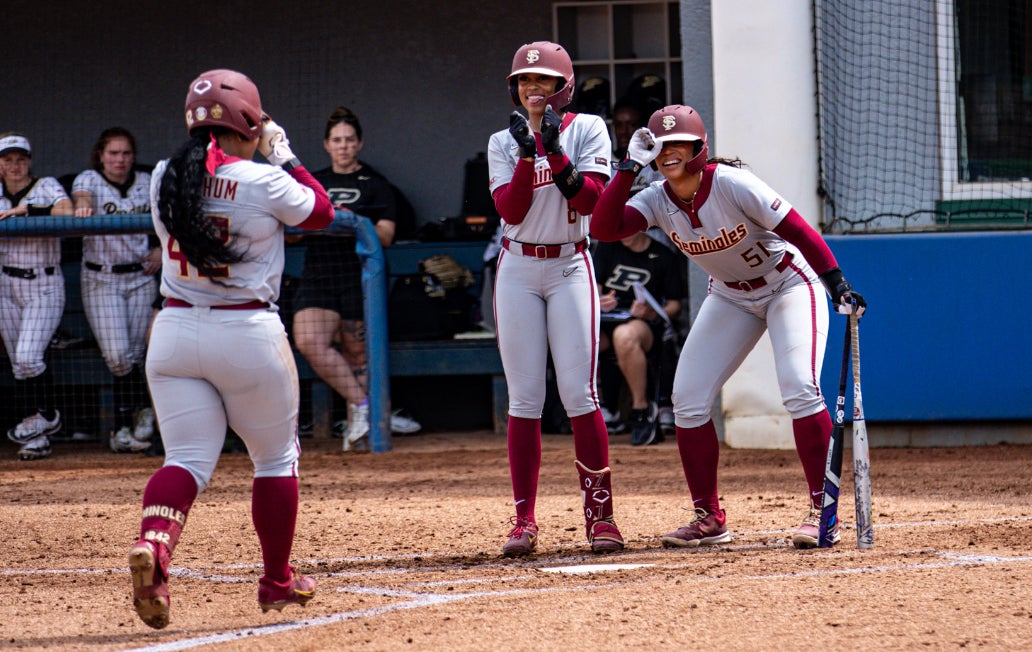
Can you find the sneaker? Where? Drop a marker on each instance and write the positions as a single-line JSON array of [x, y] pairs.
[[605, 537], [299, 591], [614, 424], [307, 430], [338, 428], [643, 428], [705, 529], [122, 441], [358, 427], [807, 535], [148, 562], [35, 449], [143, 424], [666, 420], [403, 424], [522, 538], [34, 426]]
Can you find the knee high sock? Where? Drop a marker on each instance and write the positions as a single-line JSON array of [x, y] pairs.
[[591, 440], [274, 513], [700, 456], [167, 499], [523, 438], [812, 435]]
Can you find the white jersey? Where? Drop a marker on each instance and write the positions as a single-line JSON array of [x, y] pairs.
[[250, 203], [728, 228], [550, 219], [111, 199], [32, 253]]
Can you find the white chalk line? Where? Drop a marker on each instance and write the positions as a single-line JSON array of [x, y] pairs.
[[417, 600]]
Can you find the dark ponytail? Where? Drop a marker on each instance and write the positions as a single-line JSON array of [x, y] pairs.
[[181, 211]]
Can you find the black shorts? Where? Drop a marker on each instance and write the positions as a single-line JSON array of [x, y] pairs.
[[330, 293]]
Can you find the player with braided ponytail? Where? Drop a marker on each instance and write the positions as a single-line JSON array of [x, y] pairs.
[[219, 355]]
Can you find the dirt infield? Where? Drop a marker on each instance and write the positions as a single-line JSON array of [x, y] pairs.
[[406, 548]]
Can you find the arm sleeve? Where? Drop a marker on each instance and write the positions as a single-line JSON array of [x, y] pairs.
[[613, 219], [513, 199], [794, 229], [322, 212]]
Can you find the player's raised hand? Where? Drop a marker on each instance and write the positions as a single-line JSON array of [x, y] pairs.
[[274, 145], [521, 132], [843, 296], [550, 123], [641, 151]]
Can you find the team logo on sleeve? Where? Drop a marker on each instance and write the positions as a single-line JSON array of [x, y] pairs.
[[774, 206], [600, 160]]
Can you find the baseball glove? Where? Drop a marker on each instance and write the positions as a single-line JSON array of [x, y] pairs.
[[448, 272]]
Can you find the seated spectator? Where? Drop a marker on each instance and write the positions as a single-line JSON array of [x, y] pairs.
[[118, 282], [329, 296], [32, 295], [630, 327]]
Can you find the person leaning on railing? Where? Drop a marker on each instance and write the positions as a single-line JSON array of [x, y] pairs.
[[32, 295]]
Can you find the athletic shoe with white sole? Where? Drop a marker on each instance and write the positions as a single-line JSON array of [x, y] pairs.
[[614, 424], [33, 426], [143, 424], [807, 535], [705, 529], [122, 441], [643, 427], [35, 449], [358, 427], [666, 419], [299, 590], [148, 563], [522, 538], [403, 424]]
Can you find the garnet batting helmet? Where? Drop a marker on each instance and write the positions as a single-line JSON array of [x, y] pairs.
[[677, 123], [544, 58], [224, 98]]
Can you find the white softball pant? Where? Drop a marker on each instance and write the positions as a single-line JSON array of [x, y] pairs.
[[119, 309], [30, 312], [211, 368], [794, 313], [541, 305]]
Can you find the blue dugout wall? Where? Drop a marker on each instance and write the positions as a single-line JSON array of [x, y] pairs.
[[945, 336]]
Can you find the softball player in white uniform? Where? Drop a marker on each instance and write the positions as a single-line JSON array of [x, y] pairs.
[[32, 296], [219, 354], [765, 264], [118, 285], [545, 176]]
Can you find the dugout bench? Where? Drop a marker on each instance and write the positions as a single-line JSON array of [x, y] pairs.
[[453, 357]]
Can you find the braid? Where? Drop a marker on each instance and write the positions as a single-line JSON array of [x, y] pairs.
[[181, 211]]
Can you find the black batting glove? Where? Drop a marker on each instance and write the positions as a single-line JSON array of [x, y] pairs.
[[550, 124], [521, 132], [845, 299]]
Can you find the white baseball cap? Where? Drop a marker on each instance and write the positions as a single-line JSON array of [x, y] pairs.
[[15, 143]]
